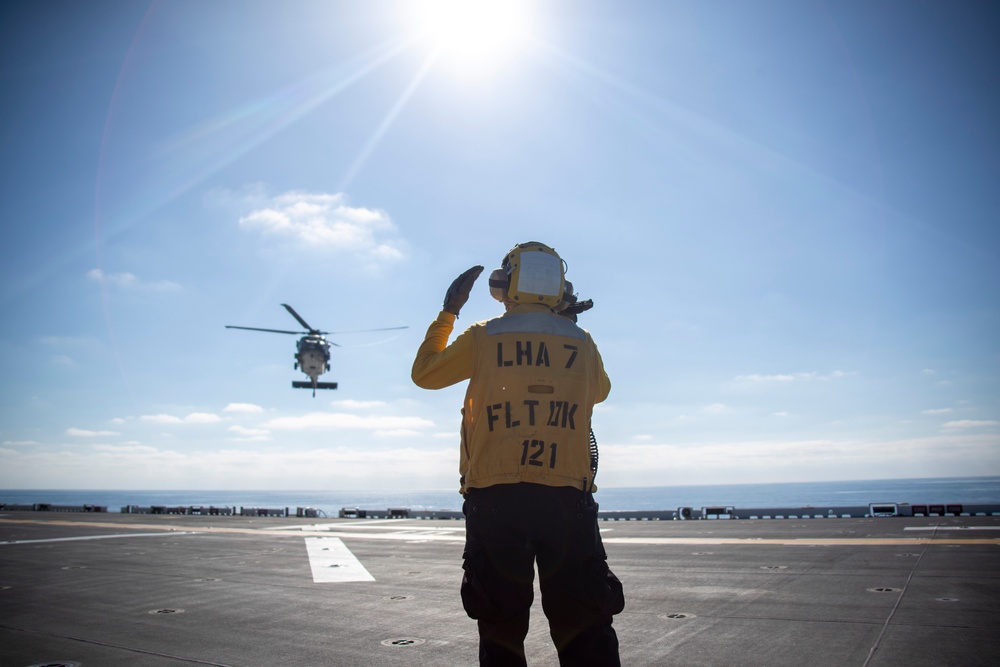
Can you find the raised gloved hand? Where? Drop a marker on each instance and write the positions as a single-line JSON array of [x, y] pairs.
[[458, 293]]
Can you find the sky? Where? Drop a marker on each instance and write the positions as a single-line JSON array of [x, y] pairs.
[[786, 213]]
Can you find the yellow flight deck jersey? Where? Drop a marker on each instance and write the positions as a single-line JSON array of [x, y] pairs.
[[535, 377]]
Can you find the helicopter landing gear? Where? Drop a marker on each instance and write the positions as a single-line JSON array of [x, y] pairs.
[[302, 384]]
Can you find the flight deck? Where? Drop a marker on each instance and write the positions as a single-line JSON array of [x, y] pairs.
[[137, 590]]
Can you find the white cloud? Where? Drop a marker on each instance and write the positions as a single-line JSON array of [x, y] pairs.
[[731, 462], [791, 377], [244, 408], [938, 411], [84, 433], [202, 418], [126, 449], [434, 463], [338, 420], [18, 443], [193, 418], [234, 468], [320, 220], [715, 409], [64, 361], [129, 281], [250, 434], [970, 423], [351, 404], [755, 378], [397, 433], [162, 419]]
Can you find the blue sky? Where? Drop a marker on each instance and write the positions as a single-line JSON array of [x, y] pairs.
[[786, 214]]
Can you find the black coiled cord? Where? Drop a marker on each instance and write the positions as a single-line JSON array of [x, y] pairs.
[[594, 456]]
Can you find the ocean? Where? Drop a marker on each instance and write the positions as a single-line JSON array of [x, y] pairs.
[[942, 490]]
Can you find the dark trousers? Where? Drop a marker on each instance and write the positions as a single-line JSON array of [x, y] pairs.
[[510, 527]]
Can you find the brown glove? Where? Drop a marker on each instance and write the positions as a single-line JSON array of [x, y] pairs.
[[458, 293]]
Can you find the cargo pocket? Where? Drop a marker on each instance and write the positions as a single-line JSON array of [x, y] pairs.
[[475, 595], [606, 587]]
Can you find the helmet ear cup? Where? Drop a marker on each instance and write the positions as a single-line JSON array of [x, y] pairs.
[[568, 297], [499, 282]]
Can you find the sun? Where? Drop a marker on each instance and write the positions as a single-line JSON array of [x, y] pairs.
[[472, 36]]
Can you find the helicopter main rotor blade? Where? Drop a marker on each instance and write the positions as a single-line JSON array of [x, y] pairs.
[[363, 330], [294, 333], [297, 317]]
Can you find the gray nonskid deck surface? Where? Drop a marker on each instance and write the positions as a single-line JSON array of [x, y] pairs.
[[107, 590]]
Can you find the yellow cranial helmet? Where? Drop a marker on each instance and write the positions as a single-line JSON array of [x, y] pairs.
[[530, 273]]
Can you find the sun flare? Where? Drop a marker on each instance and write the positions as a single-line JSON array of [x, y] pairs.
[[472, 35]]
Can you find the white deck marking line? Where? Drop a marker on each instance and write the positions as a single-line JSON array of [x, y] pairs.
[[952, 528], [806, 541], [375, 523], [98, 537], [371, 526], [332, 562], [406, 535]]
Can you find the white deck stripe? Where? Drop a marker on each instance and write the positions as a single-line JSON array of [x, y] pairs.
[[936, 528], [397, 524], [99, 537], [332, 562]]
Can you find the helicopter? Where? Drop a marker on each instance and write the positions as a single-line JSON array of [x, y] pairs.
[[312, 351]]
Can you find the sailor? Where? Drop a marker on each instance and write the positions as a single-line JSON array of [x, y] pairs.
[[525, 461]]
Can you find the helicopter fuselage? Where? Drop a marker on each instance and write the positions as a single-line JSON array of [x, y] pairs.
[[312, 356]]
